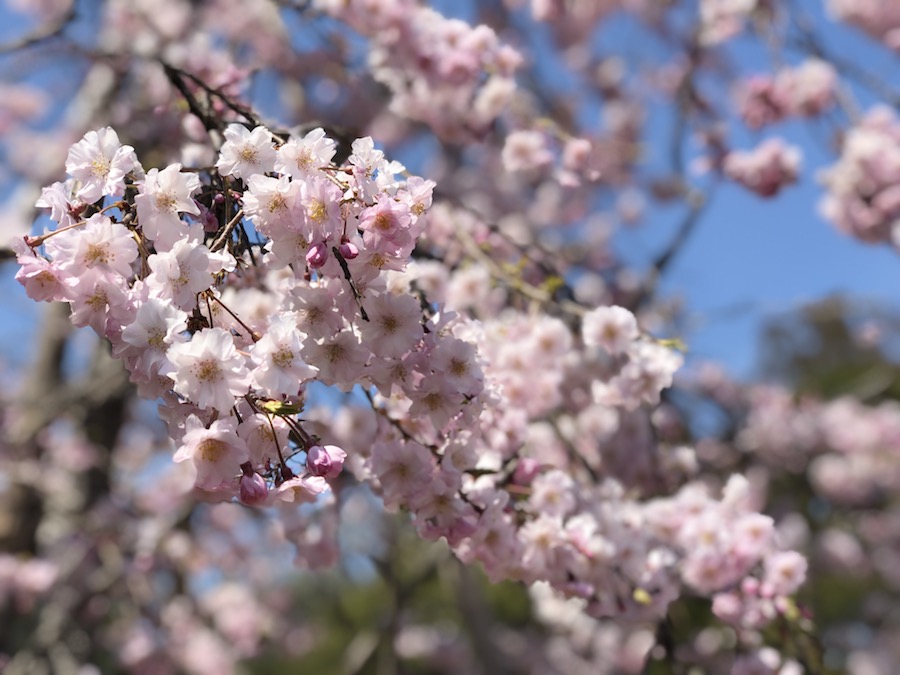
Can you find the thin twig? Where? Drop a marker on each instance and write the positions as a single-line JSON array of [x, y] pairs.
[[254, 335], [220, 241], [343, 263], [665, 257], [396, 424], [517, 285], [175, 76], [41, 33]]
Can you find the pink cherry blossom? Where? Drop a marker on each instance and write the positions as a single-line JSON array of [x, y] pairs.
[[162, 196], [100, 163], [43, 280], [246, 152], [215, 452], [280, 369], [766, 169], [272, 204], [613, 328], [394, 325], [100, 243], [208, 370], [303, 157], [252, 489], [157, 325], [525, 151], [300, 490], [184, 271]]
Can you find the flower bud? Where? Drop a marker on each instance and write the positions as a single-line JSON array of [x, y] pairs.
[[348, 249], [526, 471], [207, 218], [317, 255], [253, 490], [326, 461]]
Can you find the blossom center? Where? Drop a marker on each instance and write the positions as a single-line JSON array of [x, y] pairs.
[[211, 450], [389, 323], [610, 332], [458, 367], [433, 401], [283, 358], [46, 278], [100, 166], [96, 254], [157, 340], [98, 300], [384, 222], [304, 159], [165, 201], [277, 203], [313, 315], [335, 352], [207, 371], [249, 154], [316, 211]]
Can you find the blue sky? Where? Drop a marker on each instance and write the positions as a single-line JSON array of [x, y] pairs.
[[752, 259]]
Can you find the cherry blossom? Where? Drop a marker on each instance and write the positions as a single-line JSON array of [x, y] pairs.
[[208, 370], [100, 163], [325, 461], [246, 152], [613, 328], [100, 244], [766, 169], [162, 196], [303, 157], [216, 452], [280, 368]]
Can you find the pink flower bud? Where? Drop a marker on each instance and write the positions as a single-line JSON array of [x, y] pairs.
[[317, 255], [208, 218], [348, 249], [253, 489], [326, 461], [526, 471]]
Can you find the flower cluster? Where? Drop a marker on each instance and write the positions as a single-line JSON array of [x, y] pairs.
[[536, 503], [455, 77], [757, 602], [228, 291], [720, 20], [575, 160], [838, 459], [804, 91], [879, 19], [863, 195], [133, 258], [847, 446], [766, 169]]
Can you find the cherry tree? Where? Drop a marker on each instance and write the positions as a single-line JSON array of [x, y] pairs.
[[352, 266]]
